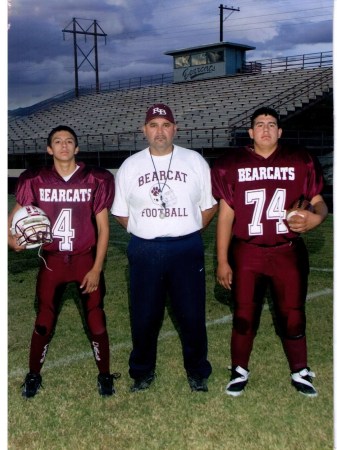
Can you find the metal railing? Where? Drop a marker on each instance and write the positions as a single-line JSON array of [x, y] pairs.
[[196, 138], [306, 61], [110, 150]]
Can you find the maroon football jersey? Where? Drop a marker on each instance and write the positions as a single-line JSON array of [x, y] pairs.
[[260, 190], [70, 205]]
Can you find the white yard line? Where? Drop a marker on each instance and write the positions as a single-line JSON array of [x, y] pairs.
[[68, 360]]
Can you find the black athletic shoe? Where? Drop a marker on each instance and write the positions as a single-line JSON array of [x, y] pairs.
[[105, 384], [31, 385], [302, 381], [197, 384], [140, 384], [238, 381]]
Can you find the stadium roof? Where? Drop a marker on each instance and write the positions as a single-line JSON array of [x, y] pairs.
[[207, 46]]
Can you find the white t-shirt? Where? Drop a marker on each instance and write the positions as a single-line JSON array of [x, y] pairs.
[[163, 197]]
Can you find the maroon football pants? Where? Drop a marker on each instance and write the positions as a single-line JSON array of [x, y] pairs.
[[50, 287], [284, 269]]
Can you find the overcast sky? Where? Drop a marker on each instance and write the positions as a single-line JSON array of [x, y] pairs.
[[41, 57]]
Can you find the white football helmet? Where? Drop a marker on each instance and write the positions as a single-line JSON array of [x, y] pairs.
[[32, 226]]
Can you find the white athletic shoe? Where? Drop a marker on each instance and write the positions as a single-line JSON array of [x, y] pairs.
[[302, 381], [238, 381]]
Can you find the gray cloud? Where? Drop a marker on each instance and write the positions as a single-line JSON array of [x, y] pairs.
[[40, 58], [291, 35]]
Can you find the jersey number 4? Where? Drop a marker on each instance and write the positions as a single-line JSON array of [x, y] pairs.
[[275, 210], [62, 229]]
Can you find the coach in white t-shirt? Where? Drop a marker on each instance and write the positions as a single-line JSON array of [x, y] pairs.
[[164, 198]]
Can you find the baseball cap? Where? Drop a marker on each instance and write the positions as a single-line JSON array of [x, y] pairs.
[[159, 110]]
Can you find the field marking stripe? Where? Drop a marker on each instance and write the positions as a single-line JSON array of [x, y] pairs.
[[228, 319], [68, 360]]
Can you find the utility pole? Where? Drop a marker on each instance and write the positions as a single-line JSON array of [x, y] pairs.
[[222, 19], [78, 29]]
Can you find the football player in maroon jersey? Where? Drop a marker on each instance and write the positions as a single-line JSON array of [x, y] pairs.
[[258, 247], [76, 199]]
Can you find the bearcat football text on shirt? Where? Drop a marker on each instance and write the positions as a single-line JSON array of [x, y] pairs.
[[163, 198]]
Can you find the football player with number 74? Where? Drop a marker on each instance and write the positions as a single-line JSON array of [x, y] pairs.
[[268, 196], [76, 200]]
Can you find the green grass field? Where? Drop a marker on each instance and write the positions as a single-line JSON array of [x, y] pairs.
[[69, 414]]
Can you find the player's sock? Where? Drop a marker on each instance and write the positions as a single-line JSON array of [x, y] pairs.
[[38, 351], [241, 348], [296, 352], [100, 346]]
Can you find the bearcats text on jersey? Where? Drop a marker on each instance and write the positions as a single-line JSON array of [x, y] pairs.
[[266, 173], [65, 195]]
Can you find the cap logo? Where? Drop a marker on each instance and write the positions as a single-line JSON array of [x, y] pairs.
[[159, 111]]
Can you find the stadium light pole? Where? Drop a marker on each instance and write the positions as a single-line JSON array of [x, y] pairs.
[[78, 29]]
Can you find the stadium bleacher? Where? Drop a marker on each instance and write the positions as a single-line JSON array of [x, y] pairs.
[[212, 115], [220, 102]]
